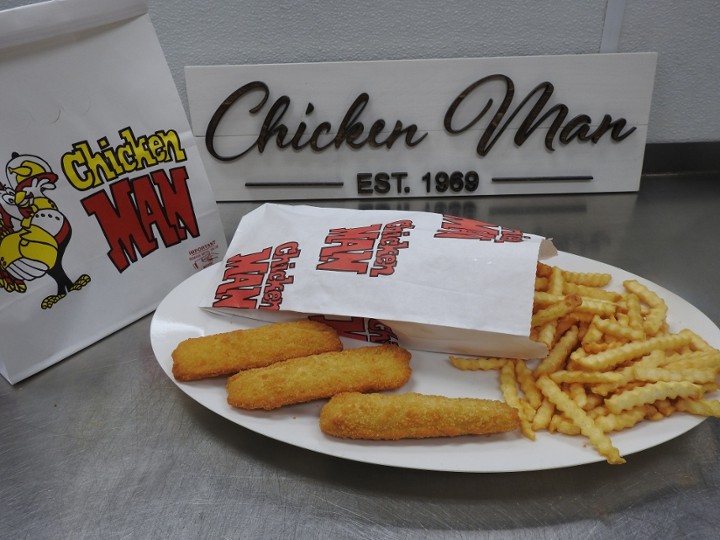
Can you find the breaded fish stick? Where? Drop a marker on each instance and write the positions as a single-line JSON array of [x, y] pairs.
[[367, 369], [413, 416], [230, 352]]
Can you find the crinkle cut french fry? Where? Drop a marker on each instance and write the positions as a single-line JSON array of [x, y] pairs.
[[563, 325], [643, 292], [654, 321], [588, 306], [543, 415], [593, 335], [697, 359], [620, 421], [652, 413], [613, 357], [509, 389], [586, 377], [557, 357], [544, 298], [556, 282], [556, 310], [693, 375], [593, 400], [591, 292], [658, 309], [581, 419], [526, 382], [649, 393], [577, 393], [590, 279], [595, 306], [541, 283], [605, 388], [547, 332], [634, 312], [665, 407], [627, 374], [618, 330], [598, 411], [701, 407], [561, 424], [543, 270], [697, 343]]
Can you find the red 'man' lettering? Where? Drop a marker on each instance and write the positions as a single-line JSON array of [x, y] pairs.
[[175, 194], [350, 249], [121, 224], [137, 208], [152, 213], [241, 293], [464, 228], [242, 280]]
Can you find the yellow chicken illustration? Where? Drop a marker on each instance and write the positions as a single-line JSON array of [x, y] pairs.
[[34, 233]]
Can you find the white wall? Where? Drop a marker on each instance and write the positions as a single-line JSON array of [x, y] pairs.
[[686, 101]]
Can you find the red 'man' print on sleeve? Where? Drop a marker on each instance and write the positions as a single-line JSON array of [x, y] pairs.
[[470, 229], [349, 250], [242, 280]]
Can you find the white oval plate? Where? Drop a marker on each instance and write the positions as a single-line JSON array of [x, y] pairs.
[[178, 318]]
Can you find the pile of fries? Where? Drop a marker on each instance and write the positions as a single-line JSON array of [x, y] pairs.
[[612, 361]]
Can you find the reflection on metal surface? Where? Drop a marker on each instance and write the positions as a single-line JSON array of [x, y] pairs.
[[571, 207]]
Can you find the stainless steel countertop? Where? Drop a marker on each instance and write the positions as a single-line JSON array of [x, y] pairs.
[[104, 445]]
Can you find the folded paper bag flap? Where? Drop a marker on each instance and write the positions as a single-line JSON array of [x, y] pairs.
[[426, 273], [434, 338], [25, 24]]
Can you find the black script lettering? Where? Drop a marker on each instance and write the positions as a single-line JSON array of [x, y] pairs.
[[616, 127], [530, 124], [576, 128], [224, 107], [351, 130]]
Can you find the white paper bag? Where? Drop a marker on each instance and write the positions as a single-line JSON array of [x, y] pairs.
[[105, 205], [438, 282]]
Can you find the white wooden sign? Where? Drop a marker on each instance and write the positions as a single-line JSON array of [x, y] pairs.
[[419, 128]]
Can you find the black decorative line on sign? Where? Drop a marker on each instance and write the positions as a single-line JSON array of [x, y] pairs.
[[293, 184], [542, 179]]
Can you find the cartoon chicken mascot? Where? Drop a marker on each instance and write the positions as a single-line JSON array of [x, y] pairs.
[[40, 232]]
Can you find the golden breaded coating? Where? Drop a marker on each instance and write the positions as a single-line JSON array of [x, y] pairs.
[[413, 416], [230, 352], [368, 369]]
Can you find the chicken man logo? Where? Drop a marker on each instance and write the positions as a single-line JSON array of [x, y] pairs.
[[470, 229], [371, 250], [257, 280], [140, 213], [34, 233], [137, 191]]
